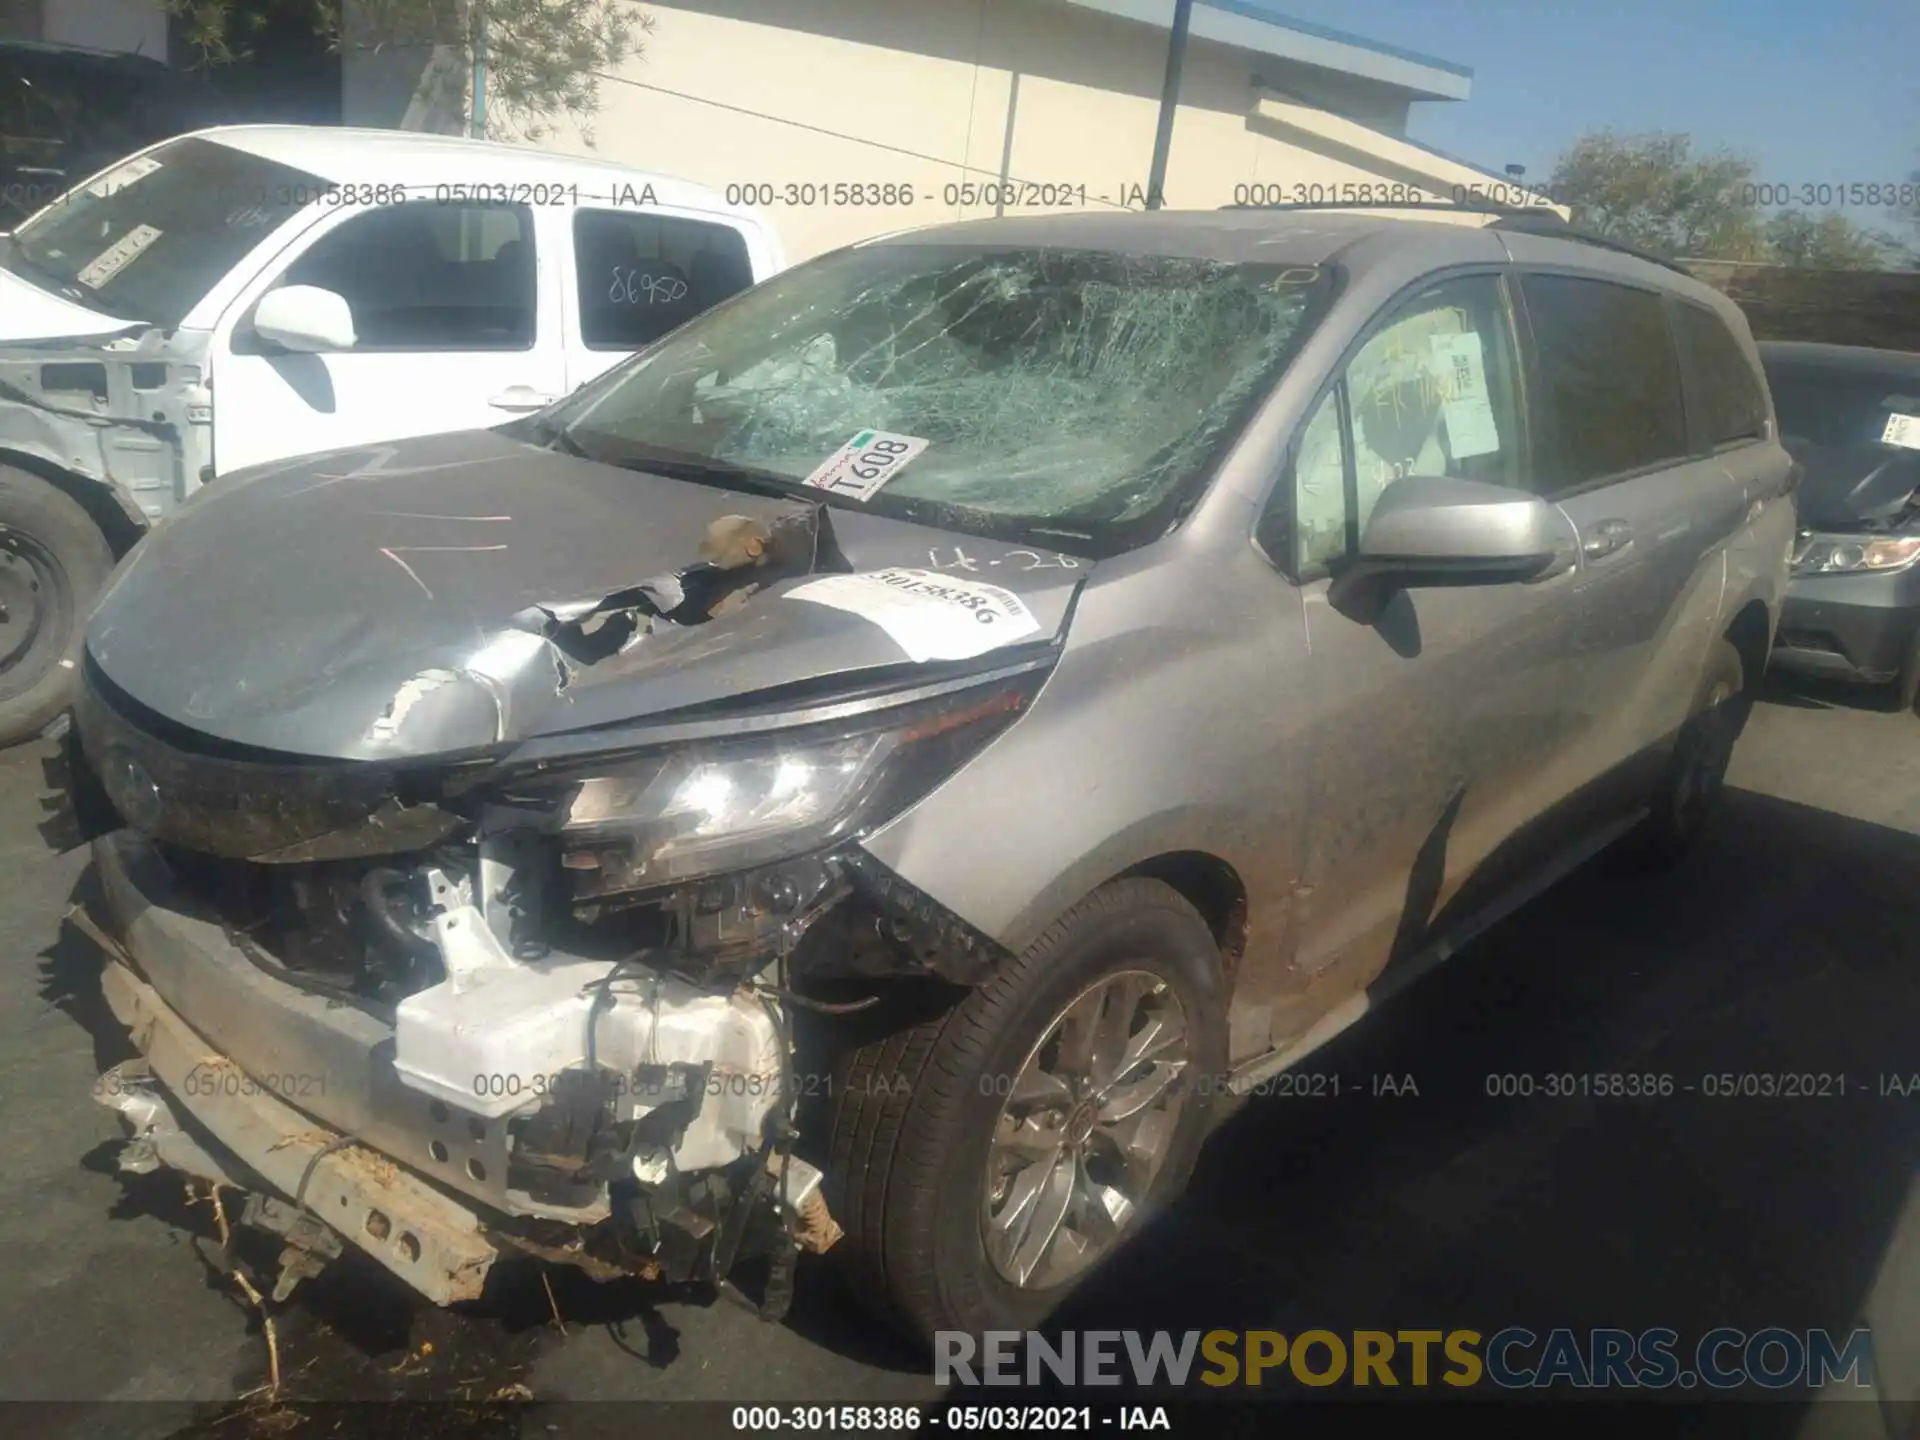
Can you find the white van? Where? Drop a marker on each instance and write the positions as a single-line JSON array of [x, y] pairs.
[[246, 293]]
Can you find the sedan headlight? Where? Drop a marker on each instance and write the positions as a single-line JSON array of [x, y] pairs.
[[656, 818], [1852, 554]]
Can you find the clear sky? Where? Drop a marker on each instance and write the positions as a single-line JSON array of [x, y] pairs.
[[1813, 90]]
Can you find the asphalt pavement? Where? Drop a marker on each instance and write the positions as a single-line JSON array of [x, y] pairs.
[[1789, 943]]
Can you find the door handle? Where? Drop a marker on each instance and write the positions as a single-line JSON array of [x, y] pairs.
[[521, 397], [1608, 537]]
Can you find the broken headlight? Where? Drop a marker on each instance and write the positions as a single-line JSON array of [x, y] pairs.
[[651, 819], [1853, 554]]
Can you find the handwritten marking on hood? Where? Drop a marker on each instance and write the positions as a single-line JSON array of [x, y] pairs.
[[393, 553], [448, 549], [412, 574], [379, 466], [411, 515], [928, 615]]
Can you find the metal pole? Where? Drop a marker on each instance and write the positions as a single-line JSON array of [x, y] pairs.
[[477, 123], [1169, 102]]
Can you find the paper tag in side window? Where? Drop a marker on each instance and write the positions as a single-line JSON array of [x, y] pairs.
[[865, 463], [117, 256], [1902, 430], [1462, 375], [930, 616]]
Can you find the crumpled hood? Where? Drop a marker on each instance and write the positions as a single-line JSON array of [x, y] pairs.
[[460, 591], [28, 313]]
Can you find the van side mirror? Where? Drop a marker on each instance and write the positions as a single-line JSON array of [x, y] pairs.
[[306, 319], [1428, 531]]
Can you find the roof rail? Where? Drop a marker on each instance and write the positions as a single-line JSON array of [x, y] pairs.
[[1521, 219], [1472, 203], [1546, 222]]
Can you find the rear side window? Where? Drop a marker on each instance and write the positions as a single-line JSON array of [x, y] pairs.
[[1732, 405], [422, 276], [643, 275], [1609, 380]]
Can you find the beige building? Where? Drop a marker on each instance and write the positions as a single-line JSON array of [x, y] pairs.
[[842, 119]]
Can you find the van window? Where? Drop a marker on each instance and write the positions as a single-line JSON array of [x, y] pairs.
[[1732, 405], [424, 276], [1431, 392], [1609, 380], [642, 275]]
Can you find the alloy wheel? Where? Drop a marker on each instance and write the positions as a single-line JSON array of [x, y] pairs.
[[1086, 1125]]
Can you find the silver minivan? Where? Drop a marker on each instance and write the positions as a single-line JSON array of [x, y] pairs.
[[883, 769]]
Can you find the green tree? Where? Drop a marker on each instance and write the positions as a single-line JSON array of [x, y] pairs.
[[544, 58], [1825, 242], [1656, 192], [1653, 191]]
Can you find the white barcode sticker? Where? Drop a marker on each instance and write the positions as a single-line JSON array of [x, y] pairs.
[[1902, 430], [928, 615]]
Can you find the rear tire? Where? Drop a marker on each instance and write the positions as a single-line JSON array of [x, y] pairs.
[[1696, 771], [53, 561], [927, 1158], [1906, 689]]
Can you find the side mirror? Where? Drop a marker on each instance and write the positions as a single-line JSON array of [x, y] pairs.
[[1428, 531], [305, 318]]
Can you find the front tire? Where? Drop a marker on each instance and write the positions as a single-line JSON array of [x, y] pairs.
[[53, 561], [985, 1161]]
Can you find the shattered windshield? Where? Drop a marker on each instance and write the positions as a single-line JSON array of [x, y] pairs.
[[151, 236], [1060, 393]]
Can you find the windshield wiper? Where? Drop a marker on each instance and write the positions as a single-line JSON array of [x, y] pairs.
[[701, 470], [550, 432]]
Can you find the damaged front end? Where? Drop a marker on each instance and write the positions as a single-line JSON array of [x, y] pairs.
[[132, 413], [462, 1008]]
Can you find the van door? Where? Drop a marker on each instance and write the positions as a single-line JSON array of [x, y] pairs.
[[633, 275], [456, 322], [1653, 516], [1442, 729]]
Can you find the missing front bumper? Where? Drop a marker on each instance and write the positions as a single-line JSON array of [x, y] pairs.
[[330, 1062], [430, 1240], [252, 1081]]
